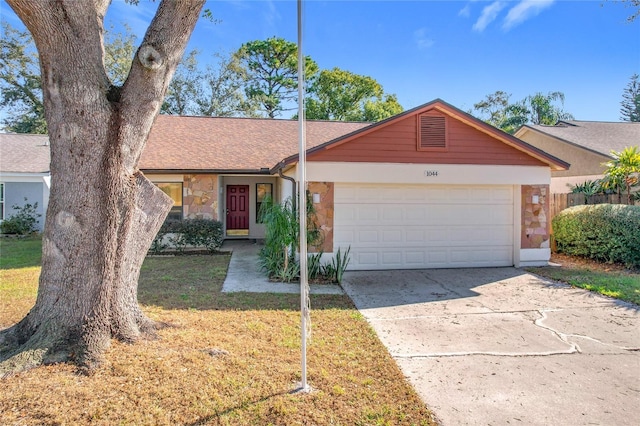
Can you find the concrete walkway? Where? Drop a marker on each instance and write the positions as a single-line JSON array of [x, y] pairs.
[[499, 346], [244, 273]]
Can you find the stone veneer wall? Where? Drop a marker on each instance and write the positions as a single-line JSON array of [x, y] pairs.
[[535, 223], [324, 214], [200, 198]]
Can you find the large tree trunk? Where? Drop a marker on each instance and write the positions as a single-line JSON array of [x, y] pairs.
[[103, 213]]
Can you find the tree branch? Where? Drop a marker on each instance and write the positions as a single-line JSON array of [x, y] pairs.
[[152, 70]]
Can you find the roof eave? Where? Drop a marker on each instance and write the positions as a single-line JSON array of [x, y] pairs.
[[262, 171]]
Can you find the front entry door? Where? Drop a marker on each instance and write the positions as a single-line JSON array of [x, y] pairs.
[[237, 209]]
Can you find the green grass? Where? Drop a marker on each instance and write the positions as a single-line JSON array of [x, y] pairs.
[[20, 252], [618, 284]]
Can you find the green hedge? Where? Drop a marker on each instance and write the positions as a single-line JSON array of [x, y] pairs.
[[177, 235], [604, 232]]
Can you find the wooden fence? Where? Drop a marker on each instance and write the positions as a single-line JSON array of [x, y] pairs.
[[559, 202]]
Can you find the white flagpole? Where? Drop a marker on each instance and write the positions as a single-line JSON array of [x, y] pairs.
[[302, 205]]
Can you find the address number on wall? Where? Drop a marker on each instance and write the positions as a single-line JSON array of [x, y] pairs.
[[430, 173]]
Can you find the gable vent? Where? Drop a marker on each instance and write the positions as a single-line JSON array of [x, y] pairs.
[[432, 132]]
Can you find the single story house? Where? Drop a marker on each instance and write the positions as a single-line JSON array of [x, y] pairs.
[[432, 187], [24, 173], [587, 145]]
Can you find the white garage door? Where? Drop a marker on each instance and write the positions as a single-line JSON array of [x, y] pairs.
[[424, 226]]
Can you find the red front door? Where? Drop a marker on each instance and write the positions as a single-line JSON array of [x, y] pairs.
[[238, 209]]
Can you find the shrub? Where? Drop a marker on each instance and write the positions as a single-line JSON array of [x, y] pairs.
[[179, 234], [278, 256], [203, 233], [604, 232], [22, 222]]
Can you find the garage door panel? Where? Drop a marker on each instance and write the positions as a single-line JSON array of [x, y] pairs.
[[427, 226], [370, 236], [391, 214], [416, 214], [392, 258], [346, 194], [393, 236], [366, 259], [416, 258], [426, 257], [438, 235]]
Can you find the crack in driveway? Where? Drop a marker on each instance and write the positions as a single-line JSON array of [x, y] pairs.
[[500, 346]]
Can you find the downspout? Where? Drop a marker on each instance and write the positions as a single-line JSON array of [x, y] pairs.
[[293, 182]]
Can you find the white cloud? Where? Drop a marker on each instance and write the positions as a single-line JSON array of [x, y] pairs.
[[271, 14], [489, 14], [524, 10], [422, 41], [465, 11]]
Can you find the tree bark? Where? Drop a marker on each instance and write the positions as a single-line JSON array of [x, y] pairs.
[[103, 213]]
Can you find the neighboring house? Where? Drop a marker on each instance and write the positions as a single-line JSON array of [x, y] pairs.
[[24, 173], [432, 187], [587, 145]]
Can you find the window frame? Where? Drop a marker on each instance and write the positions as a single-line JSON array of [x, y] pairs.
[[2, 188], [260, 201], [174, 208]]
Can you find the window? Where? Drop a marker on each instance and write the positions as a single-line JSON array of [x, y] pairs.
[[1, 201], [263, 190], [432, 132], [173, 190]]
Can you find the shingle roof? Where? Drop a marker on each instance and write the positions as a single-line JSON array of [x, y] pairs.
[[597, 136], [213, 143], [22, 153]]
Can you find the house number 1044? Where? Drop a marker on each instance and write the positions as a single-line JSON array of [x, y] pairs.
[[430, 173]]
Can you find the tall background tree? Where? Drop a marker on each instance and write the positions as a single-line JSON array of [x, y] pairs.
[[271, 67], [185, 87], [20, 83], [119, 49], [630, 110], [218, 90], [259, 79], [498, 110], [223, 94], [342, 95], [103, 212]]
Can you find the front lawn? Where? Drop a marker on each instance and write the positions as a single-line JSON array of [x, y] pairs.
[[607, 279], [225, 359]]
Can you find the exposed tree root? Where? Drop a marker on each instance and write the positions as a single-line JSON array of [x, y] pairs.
[[21, 351]]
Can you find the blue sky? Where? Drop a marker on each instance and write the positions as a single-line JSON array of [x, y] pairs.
[[458, 51]]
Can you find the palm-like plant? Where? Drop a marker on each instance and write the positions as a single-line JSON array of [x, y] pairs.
[[624, 169], [588, 188]]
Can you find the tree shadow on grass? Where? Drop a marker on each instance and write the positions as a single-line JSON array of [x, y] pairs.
[[240, 407], [195, 282]]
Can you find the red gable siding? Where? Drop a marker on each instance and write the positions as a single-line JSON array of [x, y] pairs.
[[397, 143]]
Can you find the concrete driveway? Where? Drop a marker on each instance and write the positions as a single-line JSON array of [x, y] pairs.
[[499, 346]]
